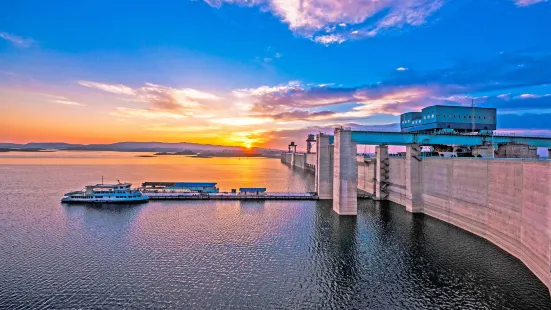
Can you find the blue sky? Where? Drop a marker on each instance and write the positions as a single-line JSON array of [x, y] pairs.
[[261, 72]]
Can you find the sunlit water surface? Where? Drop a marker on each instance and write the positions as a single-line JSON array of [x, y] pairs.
[[231, 254]]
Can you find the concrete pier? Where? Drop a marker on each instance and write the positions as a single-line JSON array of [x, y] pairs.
[[324, 167], [414, 203], [345, 174]]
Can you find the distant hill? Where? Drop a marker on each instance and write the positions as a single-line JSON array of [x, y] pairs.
[[155, 147]]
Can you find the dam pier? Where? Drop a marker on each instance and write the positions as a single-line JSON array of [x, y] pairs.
[[453, 169]]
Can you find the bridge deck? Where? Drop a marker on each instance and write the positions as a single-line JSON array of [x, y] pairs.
[[405, 138]]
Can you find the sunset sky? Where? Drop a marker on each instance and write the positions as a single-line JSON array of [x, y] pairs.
[[264, 72]]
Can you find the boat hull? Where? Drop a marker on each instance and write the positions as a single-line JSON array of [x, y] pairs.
[[92, 200]]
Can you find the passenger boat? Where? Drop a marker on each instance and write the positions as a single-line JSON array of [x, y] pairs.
[[106, 193]]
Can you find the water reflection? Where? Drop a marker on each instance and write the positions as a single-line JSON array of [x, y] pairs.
[[238, 254]]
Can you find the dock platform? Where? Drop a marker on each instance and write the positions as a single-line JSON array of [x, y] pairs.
[[230, 196]]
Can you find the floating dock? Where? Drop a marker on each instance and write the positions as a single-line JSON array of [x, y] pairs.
[[231, 196]]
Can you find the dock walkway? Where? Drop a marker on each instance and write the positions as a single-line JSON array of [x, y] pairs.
[[230, 196]]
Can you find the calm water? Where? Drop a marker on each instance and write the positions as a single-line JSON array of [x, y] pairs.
[[232, 254]]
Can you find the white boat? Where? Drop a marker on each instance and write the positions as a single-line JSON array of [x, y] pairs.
[[106, 193]]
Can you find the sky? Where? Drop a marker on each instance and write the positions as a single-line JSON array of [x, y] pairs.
[[262, 73]]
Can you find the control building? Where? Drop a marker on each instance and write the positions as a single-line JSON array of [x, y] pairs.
[[440, 118]]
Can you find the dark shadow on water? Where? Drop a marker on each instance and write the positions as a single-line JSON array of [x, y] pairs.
[[108, 222], [336, 248], [251, 206], [442, 260], [105, 207]]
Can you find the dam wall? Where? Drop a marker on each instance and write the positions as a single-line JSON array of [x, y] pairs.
[[366, 176], [287, 158], [397, 180], [300, 160], [504, 201], [507, 202], [310, 163]]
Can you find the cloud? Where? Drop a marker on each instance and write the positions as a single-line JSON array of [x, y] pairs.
[[112, 88], [401, 69], [242, 121], [145, 113], [292, 96], [407, 90], [504, 71], [532, 96], [268, 112], [68, 102], [280, 138], [169, 128], [167, 98], [295, 101], [185, 101], [63, 100], [528, 2], [16, 40], [302, 115], [329, 39], [329, 21], [504, 96]]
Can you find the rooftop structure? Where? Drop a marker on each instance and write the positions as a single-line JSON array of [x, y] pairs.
[[292, 146], [252, 190], [120, 186], [311, 139], [448, 118], [197, 187]]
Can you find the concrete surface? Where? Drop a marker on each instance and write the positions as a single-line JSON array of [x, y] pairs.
[[324, 170], [507, 202], [345, 174]]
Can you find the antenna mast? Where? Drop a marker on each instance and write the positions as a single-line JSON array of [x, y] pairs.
[[472, 115]]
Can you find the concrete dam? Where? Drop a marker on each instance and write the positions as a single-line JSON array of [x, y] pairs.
[[506, 201]]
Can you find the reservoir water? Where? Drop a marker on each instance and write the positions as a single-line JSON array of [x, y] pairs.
[[231, 254]]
